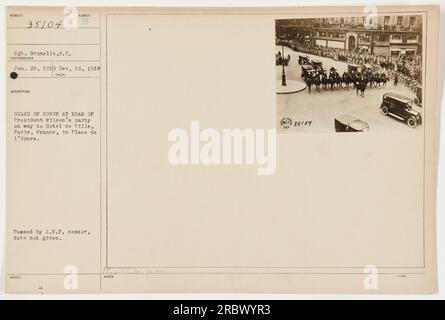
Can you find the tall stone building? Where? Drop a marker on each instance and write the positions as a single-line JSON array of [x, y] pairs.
[[380, 35]]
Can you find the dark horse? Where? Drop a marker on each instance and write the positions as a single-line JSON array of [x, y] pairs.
[[382, 79], [332, 78], [325, 81], [309, 83], [361, 86], [346, 79], [317, 82], [337, 80]]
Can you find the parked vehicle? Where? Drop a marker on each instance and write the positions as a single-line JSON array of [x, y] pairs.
[[353, 67], [317, 64], [418, 98], [348, 123], [400, 107], [306, 71], [303, 59]]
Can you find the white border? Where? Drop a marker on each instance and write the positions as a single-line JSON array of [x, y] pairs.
[[224, 3]]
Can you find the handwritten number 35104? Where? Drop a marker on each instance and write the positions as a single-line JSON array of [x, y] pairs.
[[44, 24]]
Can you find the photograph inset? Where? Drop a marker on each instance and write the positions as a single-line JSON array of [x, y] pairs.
[[349, 74]]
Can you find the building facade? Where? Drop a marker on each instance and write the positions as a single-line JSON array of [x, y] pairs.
[[380, 35]]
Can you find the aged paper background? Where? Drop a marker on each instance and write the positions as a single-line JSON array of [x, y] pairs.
[[336, 203]]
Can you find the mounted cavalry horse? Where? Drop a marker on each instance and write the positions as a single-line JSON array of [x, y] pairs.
[[317, 82], [309, 82], [346, 79], [325, 81], [359, 79], [360, 85], [380, 78], [334, 78]]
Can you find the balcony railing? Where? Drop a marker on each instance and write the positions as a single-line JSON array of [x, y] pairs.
[[411, 41]]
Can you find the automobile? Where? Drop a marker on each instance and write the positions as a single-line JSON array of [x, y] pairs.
[[349, 123], [317, 64], [418, 98], [353, 67], [303, 59], [306, 70], [400, 107]]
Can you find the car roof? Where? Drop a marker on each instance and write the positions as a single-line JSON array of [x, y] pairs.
[[345, 118], [316, 60], [397, 97], [358, 125], [354, 65], [352, 122], [306, 66]]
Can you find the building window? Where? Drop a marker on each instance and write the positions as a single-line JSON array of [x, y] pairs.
[[364, 38], [399, 21], [382, 37], [386, 21], [412, 21]]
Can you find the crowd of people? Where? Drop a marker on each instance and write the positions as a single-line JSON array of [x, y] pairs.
[[406, 70]]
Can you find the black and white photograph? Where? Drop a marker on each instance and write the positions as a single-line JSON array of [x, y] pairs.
[[349, 74]]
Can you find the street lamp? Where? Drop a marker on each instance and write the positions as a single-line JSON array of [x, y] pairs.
[[283, 74]]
